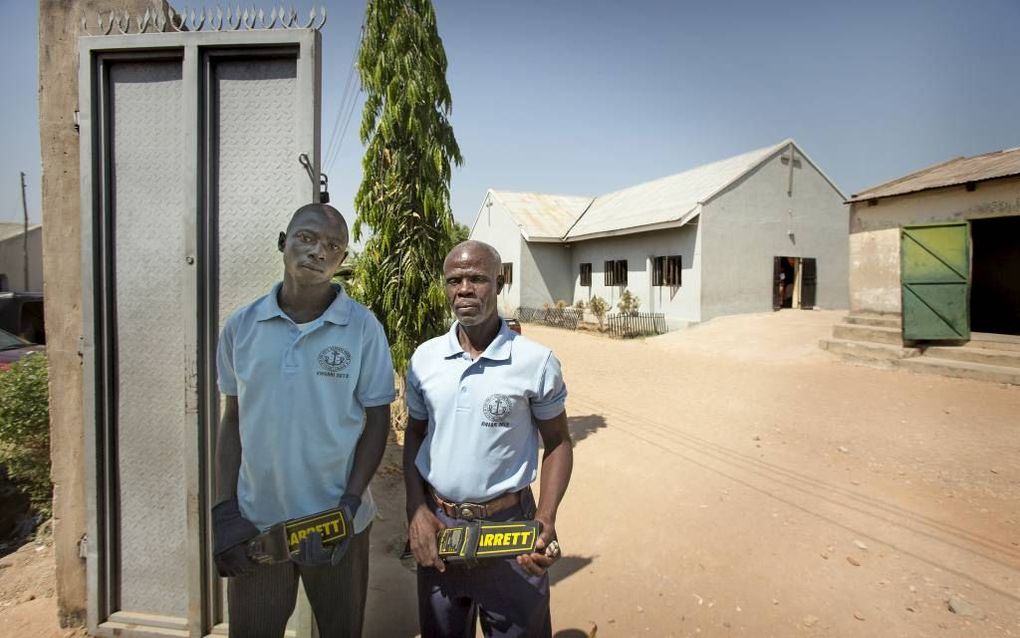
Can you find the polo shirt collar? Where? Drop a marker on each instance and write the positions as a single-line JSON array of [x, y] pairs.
[[338, 312], [498, 350]]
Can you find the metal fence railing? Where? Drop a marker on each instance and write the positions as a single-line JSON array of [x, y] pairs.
[[636, 325], [559, 317]]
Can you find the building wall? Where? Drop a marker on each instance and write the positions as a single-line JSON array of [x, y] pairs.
[[747, 226], [495, 227], [12, 261], [875, 234], [544, 274], [681, 305]]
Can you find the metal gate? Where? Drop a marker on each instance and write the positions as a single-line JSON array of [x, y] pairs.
[[190, 142], [935, 279]]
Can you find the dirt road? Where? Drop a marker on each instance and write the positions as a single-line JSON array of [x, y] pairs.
[[734, 480]]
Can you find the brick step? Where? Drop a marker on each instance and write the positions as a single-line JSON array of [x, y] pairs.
[[874, 319], [867, 352], [987, 356], [961, 369], [865, 332]]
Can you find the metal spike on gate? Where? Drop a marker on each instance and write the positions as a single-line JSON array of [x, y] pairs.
[[156, 19]]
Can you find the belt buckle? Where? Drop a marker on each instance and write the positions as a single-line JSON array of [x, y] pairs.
[[469, 511]]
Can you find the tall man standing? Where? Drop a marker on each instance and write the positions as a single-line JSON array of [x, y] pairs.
[[478, 399], [308, 381]]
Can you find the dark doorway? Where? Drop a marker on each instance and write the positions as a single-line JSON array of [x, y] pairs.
[[794, 282], [995, 275]]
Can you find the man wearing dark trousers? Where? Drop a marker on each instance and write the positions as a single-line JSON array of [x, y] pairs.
[[308, 381], [478, 400]]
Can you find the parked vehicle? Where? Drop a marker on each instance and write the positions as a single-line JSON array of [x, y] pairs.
[[21, 313], [13, 347]]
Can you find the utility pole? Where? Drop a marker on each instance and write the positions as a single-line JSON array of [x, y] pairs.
[[24, 236]]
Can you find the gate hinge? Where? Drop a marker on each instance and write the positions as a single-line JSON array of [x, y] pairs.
[[83, 547]]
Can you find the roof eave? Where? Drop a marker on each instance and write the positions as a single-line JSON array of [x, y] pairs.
[[865, 197], [633, 230]]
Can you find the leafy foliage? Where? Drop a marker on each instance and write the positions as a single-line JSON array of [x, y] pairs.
[[405, 191], [598, 307], [461, 232], [25, 428], [629, 303]]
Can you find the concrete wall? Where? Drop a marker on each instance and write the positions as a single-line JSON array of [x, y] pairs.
[[746, 227], [545, 274], [875, 234], [681, 305], [495, 227], [12, 261], [59, 24]]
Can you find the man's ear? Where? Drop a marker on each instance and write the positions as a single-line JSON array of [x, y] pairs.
[[281, 241], [500, 280]]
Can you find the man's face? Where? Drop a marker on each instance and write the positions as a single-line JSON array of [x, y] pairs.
[[471, 285], [313, 247]]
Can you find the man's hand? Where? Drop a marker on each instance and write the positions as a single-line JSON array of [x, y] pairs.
[[546, 550], [312, 553], [231, 533], [423, 533]]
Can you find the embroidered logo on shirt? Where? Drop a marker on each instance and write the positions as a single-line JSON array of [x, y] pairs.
[[497, 408], [333, 360]]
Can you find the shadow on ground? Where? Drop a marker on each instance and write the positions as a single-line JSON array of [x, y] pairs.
[[581, 427]]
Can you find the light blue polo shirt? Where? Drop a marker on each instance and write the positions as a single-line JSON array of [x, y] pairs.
[[302, 396], [482, 439]]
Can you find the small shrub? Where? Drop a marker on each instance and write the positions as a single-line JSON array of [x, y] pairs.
[[25, 428], [629, 303], [560, 304], [598, 307], [579, 304]]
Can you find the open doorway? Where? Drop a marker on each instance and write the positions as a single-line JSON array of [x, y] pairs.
[[794, 282], [995, 275]]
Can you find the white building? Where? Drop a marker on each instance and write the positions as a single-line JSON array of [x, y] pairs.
[[12, 257], [696, 245]]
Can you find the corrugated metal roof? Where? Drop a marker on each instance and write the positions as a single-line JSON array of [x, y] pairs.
[[13, 229], [950, 173], [668, 199], [542, 216]]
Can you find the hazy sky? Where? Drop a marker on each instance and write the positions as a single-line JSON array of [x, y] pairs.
[[586, 97]]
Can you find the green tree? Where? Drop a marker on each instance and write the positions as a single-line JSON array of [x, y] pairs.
[[461, 232], [405, 191], [25, 428]]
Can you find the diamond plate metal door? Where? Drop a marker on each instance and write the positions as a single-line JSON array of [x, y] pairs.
[[190, 146]]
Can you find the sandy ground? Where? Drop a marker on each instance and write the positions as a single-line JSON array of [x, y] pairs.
[[734, 480]]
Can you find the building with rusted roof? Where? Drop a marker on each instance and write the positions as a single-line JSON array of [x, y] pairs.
[[761, 230], [935, 270]]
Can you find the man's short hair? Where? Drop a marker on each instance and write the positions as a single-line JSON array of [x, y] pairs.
[[322, 209]]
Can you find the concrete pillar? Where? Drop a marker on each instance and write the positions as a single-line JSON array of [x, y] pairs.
[[59, 25]]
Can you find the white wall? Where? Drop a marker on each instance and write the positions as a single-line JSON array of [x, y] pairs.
[[495, 227], [875, 234], [681, 305], [746, 227], [545, 274], [12, 261]]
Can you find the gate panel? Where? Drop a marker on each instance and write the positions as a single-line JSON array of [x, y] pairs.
[[146, 159], [935, 278]]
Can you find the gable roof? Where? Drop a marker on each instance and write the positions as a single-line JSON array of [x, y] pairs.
[[953, 172], [542, 217]]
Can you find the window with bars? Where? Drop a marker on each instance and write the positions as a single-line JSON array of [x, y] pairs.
[[666, 270], [586, 274], [616, 272], [507, 271]]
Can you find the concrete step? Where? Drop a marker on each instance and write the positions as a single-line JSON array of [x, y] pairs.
[[987, 356], [961, 369], [867, 352], [994, 342], [873, 319], [865, 332]]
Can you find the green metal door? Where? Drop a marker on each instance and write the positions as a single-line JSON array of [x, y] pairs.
[[935, 276]]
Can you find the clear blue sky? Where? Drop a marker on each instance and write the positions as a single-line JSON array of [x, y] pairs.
[[587, 97]]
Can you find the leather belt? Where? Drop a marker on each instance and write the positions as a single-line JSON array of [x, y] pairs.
[[477, 511]]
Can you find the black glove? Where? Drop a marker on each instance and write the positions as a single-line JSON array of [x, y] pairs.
[[313, 552], [231, 533]]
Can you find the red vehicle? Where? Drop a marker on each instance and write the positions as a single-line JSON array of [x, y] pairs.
[[13, 348]]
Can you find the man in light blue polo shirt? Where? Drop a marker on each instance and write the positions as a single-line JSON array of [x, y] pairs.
[[308, 382], [478, 399]]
